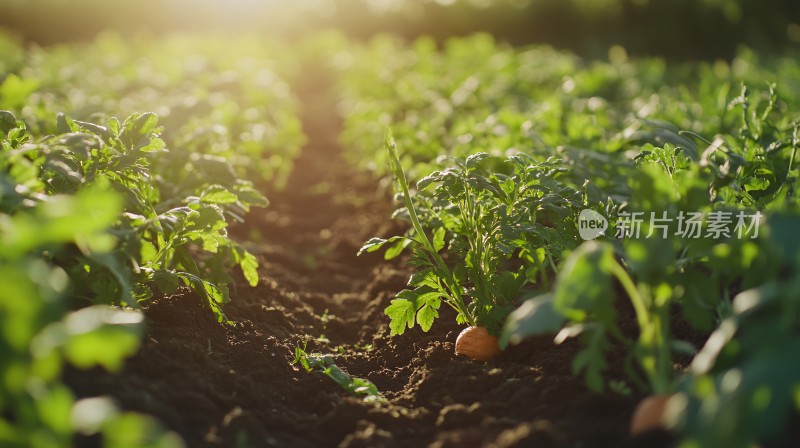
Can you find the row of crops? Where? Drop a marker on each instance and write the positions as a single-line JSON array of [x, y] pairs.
[[688, 172], [545, 195], [121, 169]]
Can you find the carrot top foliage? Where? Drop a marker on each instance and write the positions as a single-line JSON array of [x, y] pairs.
[[692, 169]]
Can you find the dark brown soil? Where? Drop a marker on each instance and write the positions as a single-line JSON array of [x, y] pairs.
[[234, 385]]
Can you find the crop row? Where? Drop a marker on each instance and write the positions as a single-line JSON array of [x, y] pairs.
[[555, 196], [97, 210]]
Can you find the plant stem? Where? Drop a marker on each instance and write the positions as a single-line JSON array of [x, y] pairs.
[[448, 277], [637, 301], [663, 367], [653, 332]]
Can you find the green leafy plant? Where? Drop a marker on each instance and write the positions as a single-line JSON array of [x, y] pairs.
[[40, 331], [81, 222], [485, 221], [741, 388], [97, 211], [582, 305], [435, 282], [699, 274], [157, 236], [655, 275], [359, 387]]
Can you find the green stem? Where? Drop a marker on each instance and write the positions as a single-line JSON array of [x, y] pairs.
[[161, 254], [449, 278], [550, 261], [639, 306], [794, 149], [663, 367], [540, 267], [652, 332]]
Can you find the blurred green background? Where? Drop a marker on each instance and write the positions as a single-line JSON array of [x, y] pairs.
[[677, 29]]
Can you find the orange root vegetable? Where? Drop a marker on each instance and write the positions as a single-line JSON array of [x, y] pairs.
[[649, 414], [476, 343]]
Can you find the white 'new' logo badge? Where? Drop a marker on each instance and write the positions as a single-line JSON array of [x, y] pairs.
[[591, 224]]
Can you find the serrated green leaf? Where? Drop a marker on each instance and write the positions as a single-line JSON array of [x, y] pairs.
[[438, 238], [249, 196], [401, 314], [426, 316], [155, 144], [396, 249], [249, 265], [217, 194], [373, 244], [425, 277], [474, 159], [113, 126]]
